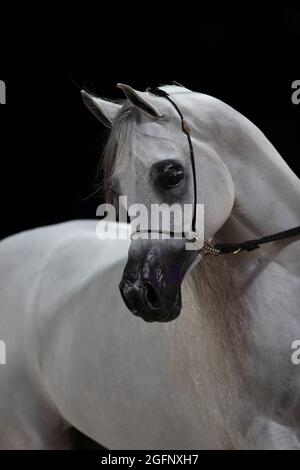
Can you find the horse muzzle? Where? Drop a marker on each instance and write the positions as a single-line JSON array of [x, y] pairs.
[[144, 301], [151, 282]]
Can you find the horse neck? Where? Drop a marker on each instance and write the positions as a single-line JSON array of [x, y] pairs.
[[222, 328], [267, 192]]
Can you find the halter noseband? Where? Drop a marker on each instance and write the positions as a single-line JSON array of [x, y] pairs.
[[207, 247]]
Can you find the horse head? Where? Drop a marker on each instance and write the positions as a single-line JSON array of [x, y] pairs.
[[149, 162]]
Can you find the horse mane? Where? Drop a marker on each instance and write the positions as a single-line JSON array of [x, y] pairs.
[[214, 335]]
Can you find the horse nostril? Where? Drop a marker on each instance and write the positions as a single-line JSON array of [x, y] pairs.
[[126, 298], [151, 297]]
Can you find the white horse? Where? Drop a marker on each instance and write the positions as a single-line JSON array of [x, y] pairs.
[[218, 377]]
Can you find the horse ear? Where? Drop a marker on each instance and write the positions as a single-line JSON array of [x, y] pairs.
[[105, 111], [141, 100]]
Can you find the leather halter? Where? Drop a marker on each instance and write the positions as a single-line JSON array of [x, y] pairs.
[[206, 246]]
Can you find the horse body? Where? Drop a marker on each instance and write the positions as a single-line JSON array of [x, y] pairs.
[[221, 375], [76, 357]]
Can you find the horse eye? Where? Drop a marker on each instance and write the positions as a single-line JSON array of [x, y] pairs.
[[168, 174]]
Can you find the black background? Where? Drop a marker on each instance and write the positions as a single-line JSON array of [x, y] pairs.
[[51, 145]]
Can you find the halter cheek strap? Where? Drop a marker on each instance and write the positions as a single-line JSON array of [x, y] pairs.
[[186, 130], [208, 247]]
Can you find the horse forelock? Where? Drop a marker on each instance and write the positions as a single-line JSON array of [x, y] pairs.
[[121, 138]]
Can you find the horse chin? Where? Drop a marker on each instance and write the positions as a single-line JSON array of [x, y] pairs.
[[163, 318]]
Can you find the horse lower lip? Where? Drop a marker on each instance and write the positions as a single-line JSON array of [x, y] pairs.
[[152, 317]]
